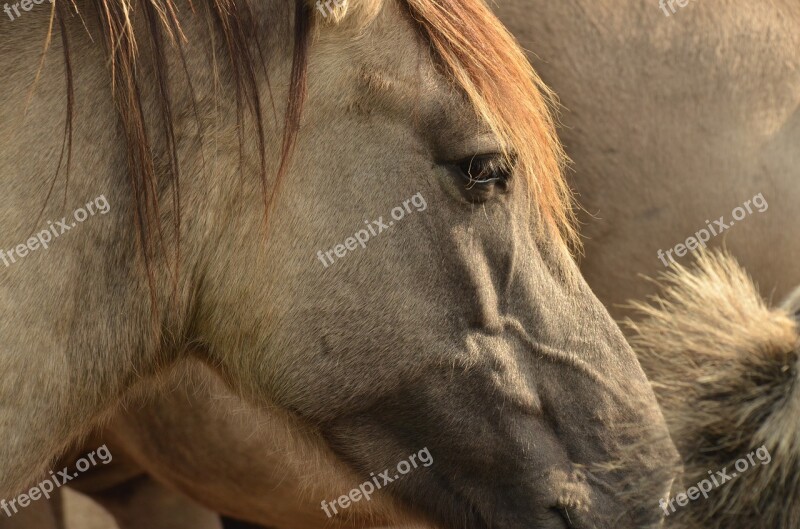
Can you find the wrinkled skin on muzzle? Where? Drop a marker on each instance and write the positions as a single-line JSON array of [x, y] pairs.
[[462, 327], [504, 365], [459, 325]]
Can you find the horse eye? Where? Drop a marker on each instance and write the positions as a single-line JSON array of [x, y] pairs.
[[486, 169]]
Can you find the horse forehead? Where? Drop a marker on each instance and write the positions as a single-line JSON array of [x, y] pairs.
[[390, 66], [394, 90], [423, 96]]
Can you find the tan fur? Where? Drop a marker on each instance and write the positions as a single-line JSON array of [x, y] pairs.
[[725, 369], [672, 121], [280, 483], [633, 83], [446, 325], [41, 515], [139, 504]]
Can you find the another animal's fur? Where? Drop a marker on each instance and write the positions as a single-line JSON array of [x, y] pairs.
[[724, 366], [671, 122]]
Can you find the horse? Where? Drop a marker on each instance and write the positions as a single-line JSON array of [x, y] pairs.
[[669, 123], [238, 147], [725, 368], [672, 122]]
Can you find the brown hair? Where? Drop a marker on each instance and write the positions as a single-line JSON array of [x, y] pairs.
[[473, 46], [488, 64], [234, 21]]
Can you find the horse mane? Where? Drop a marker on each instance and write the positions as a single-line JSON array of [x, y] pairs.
[[472, 45], [488, 64], [724, 368]]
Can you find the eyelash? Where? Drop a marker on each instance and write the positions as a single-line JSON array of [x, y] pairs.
[[485, 169]]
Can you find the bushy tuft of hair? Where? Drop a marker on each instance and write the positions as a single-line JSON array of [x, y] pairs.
[[724, 368]]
